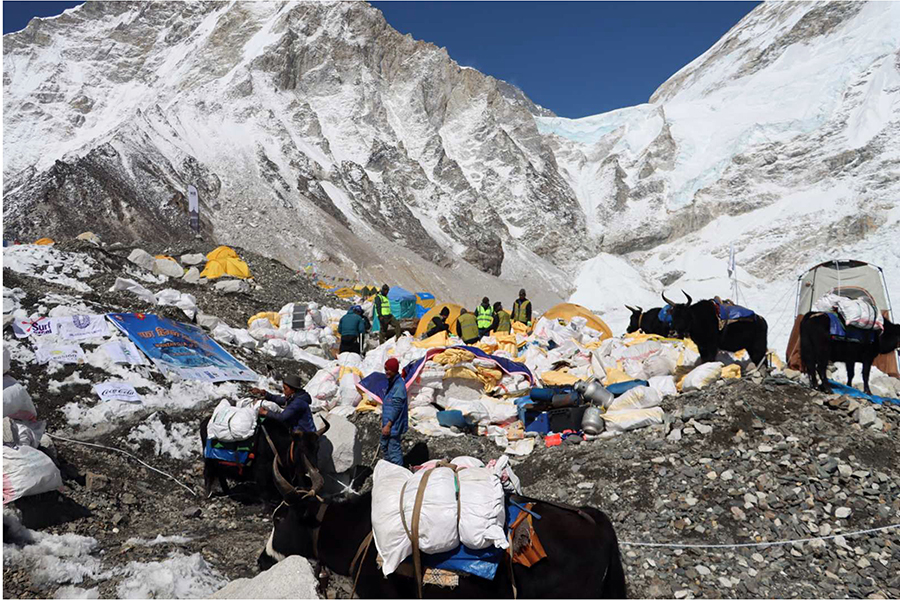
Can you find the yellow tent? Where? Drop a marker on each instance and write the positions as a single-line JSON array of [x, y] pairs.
[[425, 300], [44, 242], [566, 311], [165, 257], [222, 252], [345, 293], [324, 285], [223, 261], [434, 312]]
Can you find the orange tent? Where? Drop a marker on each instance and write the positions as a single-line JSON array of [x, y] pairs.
[[434, 311]]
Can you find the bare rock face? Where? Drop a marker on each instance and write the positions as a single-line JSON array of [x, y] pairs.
[[309, 122]]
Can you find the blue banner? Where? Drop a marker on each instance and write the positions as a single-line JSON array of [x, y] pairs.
[[181, 349]]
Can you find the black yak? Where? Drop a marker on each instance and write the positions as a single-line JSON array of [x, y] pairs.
[[298, 452], [649, 322], [818, 348], [700, 322]]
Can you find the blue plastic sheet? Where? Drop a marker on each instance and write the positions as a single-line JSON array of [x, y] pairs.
[[840, 388], [849, 334]]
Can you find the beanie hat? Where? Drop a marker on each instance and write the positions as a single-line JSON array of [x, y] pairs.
[[391, 364]]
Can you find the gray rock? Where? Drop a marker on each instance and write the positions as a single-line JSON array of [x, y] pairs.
[[169, 268], [291, 578], [340, 448], [129, 499], [232, 286], [192, 275], [95, 482], [674, 436], [866, 416], [192, 259], [142, 258], [842, 512], [192, 512]]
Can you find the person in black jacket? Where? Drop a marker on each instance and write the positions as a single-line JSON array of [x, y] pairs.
[[296, 415], [438, 323]]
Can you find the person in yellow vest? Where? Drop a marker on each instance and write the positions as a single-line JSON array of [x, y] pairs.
[[386, 319], [484, 316], [467, 327], [502, 320], [521, 309]]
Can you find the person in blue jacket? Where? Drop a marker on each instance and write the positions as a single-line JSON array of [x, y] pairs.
[[394, 414], [296, 415], [352, 327]]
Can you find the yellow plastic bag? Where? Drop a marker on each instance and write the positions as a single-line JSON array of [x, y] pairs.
[[731, 372], [558, 378]]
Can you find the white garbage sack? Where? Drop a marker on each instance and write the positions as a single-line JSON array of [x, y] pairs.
[[439, 514], [231, 424], [633, 419], [702, 376], [482, 508], [663, 362], [278, 348], [303, 338], [391, 540], [860, 314], [348, 395], [508, 478], [169, 268], [314, 317], [664, 384], [324, 384], [17, 403], [420, 396], [243, 338], [29, 433], [223, 333], [130, 285], [27, 471], [636, 398]]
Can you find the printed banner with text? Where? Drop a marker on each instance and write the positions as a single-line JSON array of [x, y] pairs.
[[181, 349]]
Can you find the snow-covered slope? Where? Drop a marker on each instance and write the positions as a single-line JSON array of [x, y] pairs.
[[782, 138], [312, 130]]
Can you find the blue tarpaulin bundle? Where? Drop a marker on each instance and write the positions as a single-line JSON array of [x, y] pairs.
[[403, 306]]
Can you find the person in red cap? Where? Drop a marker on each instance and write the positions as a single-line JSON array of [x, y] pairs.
[[394, 413]]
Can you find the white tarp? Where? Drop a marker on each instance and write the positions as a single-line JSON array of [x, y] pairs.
[[117, 390], [64, 353], [123, 351], [78, 328]]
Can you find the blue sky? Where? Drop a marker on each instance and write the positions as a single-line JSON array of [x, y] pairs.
[[575, 58]]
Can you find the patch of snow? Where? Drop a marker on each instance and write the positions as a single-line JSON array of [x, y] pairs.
[[178, 440], [159, 539], [179, 576], [55, 266], [54, 559]]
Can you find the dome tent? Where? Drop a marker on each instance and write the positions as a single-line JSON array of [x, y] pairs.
[[403, 306], [566, 311], [435, 311], [851, 279], [225, 261]]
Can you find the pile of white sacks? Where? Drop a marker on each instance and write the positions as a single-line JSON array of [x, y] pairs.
[[474, 520], [27, 468]]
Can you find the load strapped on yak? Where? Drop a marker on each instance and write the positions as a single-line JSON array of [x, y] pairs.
[[453, 512], [854, 294]]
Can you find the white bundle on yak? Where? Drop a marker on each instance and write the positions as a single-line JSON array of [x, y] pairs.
[[855, 312], [474, 519], [231, 423]]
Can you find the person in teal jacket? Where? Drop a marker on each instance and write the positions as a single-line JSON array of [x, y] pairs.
[[394, 413], [352, 327]]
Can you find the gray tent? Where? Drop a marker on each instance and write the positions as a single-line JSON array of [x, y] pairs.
[[848, 278]]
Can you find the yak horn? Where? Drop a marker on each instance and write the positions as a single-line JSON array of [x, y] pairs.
[[284, 488], [634, 310], [666, 300], [318, 482], [324, 428], [688, 296]]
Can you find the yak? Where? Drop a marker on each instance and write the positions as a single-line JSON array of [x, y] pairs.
[[700, 322], [818, 348], [648, 322], [298, 451], [583, 559]]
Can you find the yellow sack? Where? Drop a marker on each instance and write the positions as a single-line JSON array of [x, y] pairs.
[[558, 378], [273, 317], [731, 372], [453, 356], [522, 328], [486, 348], [44, 242], [507, 343], [438, 340], [368, 405], [616, 376], [461, 373]]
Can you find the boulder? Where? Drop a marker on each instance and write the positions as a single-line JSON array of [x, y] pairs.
[[291, 578], [192, 275], [169, 268], [142, 259], [207, 322], [232, 286], [866, 416], [192, 259], [339, 449]]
